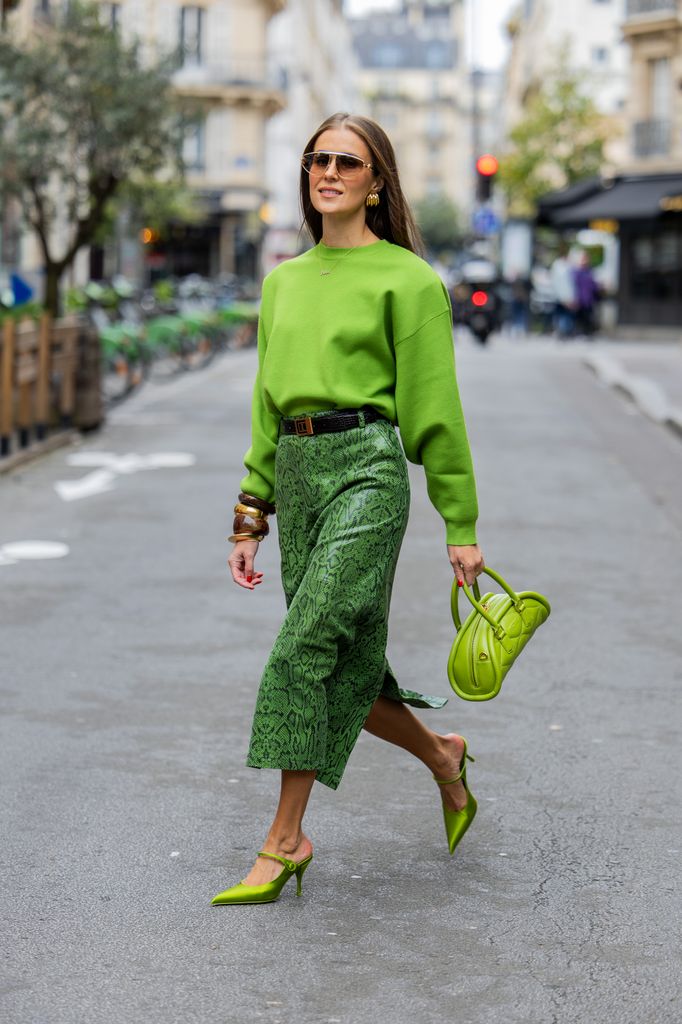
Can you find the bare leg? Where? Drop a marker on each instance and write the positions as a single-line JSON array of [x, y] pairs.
[[394, 722], [286, 837]]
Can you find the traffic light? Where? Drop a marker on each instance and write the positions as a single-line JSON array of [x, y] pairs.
[[486, 169]]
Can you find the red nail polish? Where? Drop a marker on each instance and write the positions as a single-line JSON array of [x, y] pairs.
[[248, 579], [460, 583]]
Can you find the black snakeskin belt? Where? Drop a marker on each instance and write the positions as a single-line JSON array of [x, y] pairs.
[[345, 419]]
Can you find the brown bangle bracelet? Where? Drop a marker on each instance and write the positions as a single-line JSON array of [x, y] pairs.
[[260, 503], [250, 524], [236, 537], [250, 510]]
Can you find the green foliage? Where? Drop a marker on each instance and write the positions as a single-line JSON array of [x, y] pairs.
[[81, 113], [439, 222], [559, 141], [26, 311]]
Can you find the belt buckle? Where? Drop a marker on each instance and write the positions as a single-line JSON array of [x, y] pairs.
[[303, 426]]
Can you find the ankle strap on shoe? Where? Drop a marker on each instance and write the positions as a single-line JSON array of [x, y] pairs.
[[291, 865]]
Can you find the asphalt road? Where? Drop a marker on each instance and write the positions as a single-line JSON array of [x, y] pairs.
[[129, 669]]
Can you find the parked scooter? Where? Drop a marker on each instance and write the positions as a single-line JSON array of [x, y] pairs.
[[475, 300]]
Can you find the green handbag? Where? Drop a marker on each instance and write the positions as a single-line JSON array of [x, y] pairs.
[[492, 637]]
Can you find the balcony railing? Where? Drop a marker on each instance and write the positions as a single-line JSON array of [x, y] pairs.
[[635, 7], [251, 73], [651, 138]]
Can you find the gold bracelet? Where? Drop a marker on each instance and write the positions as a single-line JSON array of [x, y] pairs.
[[235, 537], [250, 510]]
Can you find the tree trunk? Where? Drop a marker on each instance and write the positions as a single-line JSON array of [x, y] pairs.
[[53, 274]]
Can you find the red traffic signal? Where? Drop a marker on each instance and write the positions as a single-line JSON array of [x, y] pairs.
[[479, 298], [487, 165], [486, 169]]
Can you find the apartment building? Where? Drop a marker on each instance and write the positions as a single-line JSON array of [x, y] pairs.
[[413, 76], [310, 42], [227, 72], [587, 34]]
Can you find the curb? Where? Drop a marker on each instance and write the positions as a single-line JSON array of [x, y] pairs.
[[643, 392]]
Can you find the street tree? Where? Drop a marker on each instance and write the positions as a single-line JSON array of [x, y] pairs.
[[559, 141], [439, 222], [82, 118]]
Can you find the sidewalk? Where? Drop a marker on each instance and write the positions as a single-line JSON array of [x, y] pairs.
[[649, 374]]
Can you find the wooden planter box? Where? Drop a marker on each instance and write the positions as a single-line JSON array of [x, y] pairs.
[[49, 382]]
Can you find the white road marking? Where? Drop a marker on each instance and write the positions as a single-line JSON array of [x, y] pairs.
[[97, 482], [110, 465], [31, 550]]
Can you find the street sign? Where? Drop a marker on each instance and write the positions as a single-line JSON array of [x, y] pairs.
[[486, 221]]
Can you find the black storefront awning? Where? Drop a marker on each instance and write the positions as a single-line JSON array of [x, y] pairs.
[[636, 197]]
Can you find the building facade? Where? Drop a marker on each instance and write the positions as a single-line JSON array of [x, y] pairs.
[[587, 35], [310, 42], [225, 70], [413, 76], [653, 32], [641, 202]]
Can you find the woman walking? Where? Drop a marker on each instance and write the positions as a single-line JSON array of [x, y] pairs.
[[355, 336]]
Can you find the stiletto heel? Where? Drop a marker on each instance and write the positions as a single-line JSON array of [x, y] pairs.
[[457, 822], [270, 891], [299, 874]]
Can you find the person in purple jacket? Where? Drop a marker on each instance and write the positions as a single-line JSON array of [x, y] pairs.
[[586, 295]]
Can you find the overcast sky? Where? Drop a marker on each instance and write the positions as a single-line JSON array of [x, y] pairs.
[[490, 41]]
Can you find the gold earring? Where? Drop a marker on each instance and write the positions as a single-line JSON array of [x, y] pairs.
[[372, 199]]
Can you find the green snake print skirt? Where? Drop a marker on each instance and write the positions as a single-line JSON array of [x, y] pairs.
[[342, 506]]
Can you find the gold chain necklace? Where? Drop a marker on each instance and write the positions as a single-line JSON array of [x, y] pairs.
[[326, 273]]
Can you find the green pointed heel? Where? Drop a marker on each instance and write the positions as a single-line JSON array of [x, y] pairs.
[[457, 822], [270, 891]]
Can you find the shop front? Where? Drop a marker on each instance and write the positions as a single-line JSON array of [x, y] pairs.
[[646, 213]]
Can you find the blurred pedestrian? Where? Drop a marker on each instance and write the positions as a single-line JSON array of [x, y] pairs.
[[563, 285], [355, 336], [519, 303], [587, 294]]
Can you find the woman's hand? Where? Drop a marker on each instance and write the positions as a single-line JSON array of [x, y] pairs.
[[241, 564], [467, 562]]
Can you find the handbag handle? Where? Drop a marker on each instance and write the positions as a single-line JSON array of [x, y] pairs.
[[454, 601]]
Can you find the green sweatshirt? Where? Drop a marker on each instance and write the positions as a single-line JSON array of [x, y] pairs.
[[377, 330]]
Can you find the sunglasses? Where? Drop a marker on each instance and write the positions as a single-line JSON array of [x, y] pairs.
[[347, 165]]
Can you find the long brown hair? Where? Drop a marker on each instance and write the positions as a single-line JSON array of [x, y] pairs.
[[392, 218]]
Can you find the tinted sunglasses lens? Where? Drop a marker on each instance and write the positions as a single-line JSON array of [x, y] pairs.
[[315, 162], [348, 165]]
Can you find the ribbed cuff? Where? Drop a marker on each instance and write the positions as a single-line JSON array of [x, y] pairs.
[[460, 533]]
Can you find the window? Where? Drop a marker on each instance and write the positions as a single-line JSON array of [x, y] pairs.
[[660, 85], [191, 34], [437, 55], [600, 55], [194, 144], [388, 55], [111, 14]]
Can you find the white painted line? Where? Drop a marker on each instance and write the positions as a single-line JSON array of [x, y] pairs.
[[113, 465], [97, 482], [169, 460], [30, 550]]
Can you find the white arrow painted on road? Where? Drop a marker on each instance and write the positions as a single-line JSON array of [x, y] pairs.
[[110, 465], [98, 482]]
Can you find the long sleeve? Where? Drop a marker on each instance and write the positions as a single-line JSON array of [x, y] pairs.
[[260, 458], [432, 425]]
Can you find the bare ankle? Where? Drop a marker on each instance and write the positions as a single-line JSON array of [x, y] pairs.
[[288, 842]]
